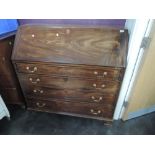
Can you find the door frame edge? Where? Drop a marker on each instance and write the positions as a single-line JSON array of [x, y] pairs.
[[138, 32]]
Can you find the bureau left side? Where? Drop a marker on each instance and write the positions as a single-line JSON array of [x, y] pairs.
[[9, 85]]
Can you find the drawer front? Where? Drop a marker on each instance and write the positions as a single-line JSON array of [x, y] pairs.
[[69, 83], [59, 106], [69, 94], [71, 71], [11, 95]]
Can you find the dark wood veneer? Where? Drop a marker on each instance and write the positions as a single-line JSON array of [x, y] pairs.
[[75, 108], [71, 70], [9, 85]]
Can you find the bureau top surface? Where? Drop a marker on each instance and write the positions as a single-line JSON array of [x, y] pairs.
[[71, 45]]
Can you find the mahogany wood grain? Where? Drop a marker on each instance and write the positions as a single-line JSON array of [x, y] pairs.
[[71, 94], [76, 71], [6, 81], [59, 106], [82, 71], [6, 46], [11, 95], [65, 82], [9, 85], [90, 46]]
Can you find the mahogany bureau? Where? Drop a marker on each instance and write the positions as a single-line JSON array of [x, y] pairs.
[[71, 70], [9, 85]]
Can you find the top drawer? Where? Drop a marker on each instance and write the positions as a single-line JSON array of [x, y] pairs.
[[72, 71]]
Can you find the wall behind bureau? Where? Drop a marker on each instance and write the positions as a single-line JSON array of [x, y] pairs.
[[120, 23]]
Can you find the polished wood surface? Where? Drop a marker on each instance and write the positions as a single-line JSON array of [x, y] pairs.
[[65, 82], [89, 46], [70, 70], [11, 95], [6, 81], [74, 71], [66, 107], [9, 85], [70, 94], [6, 47]]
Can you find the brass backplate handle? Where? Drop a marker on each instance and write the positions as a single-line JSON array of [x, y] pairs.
[[40, 104], [34, 81], [95, 86], [38, 90], [95, 113], [33, 70], [96, 100]]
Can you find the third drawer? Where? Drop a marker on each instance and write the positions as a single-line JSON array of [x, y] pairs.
[[69, 94]]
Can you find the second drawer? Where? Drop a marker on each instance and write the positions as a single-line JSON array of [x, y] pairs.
[[69, 83], [71, 70]]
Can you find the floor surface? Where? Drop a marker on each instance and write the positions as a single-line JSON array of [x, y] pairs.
[[25, 122]]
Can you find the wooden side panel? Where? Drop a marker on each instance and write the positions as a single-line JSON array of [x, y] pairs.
[[9, 85], [6, 47], [11, 96]]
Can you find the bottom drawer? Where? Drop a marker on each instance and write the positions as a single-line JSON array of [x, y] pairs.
[[11, 96], [68, 107]]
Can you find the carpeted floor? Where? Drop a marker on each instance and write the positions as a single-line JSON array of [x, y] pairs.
[[39, 123]]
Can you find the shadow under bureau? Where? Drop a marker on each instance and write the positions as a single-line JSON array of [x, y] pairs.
[[71, 70]]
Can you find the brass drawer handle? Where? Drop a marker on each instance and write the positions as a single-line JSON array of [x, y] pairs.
[[57, 34], [95, 85], [105, 74], [95, 113], [33, 70], [35, 81], [68, 31], [95, 72], [95, 100], [3, 58], [40, 105], [38, 90]]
